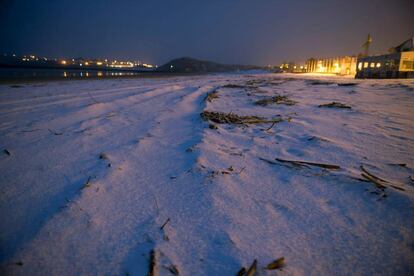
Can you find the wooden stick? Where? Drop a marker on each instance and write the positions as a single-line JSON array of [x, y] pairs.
[[252, 269], [296, 162], [165, 223], [152, 265]]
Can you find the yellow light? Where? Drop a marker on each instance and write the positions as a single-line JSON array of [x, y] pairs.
[[63, 62], [100, 74], [99, 63], [64, 74], [378, 65], [86, 63], [360, 66]]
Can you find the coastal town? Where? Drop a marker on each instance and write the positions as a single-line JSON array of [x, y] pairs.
[[397, 63]]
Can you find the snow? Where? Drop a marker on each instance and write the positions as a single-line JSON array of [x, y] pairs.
[[65, 211]]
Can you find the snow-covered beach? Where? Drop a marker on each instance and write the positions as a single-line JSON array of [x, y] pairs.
[[97, 174]]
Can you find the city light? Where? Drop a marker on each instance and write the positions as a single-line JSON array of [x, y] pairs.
[[81, 62]]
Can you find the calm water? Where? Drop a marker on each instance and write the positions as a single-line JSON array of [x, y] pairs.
[[28, 73]]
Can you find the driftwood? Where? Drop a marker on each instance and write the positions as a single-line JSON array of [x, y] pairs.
[[276, 264], [335, 105], [230, 118]]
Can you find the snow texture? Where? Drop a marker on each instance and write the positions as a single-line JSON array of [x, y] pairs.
[[91, 170]]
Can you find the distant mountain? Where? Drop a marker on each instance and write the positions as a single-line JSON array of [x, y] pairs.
[[191, 65]]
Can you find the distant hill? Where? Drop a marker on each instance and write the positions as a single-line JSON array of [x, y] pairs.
[[191, 65]]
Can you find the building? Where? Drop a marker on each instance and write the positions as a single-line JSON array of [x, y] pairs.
[[399, 63], [345, 65], [291, 67]]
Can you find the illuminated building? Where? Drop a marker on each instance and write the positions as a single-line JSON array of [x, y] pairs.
[[291, 67], [399, 63], [345, 65]]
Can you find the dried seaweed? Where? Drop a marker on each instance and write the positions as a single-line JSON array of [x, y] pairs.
[[317, 82], [230, 118], [275, 100], [211, 96], [347, 84], [335, 105], [276, 264], [231, 85]]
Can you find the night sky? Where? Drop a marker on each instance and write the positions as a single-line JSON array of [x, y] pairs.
[[229, 31]]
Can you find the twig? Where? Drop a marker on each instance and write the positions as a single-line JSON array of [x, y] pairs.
[[377, 180], [373, 180], [371, 175], [252, 269], [325, 166], [165, 223], [273, 124], [152, 264]]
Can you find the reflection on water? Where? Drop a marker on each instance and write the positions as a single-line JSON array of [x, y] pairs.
[[17, 73]]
